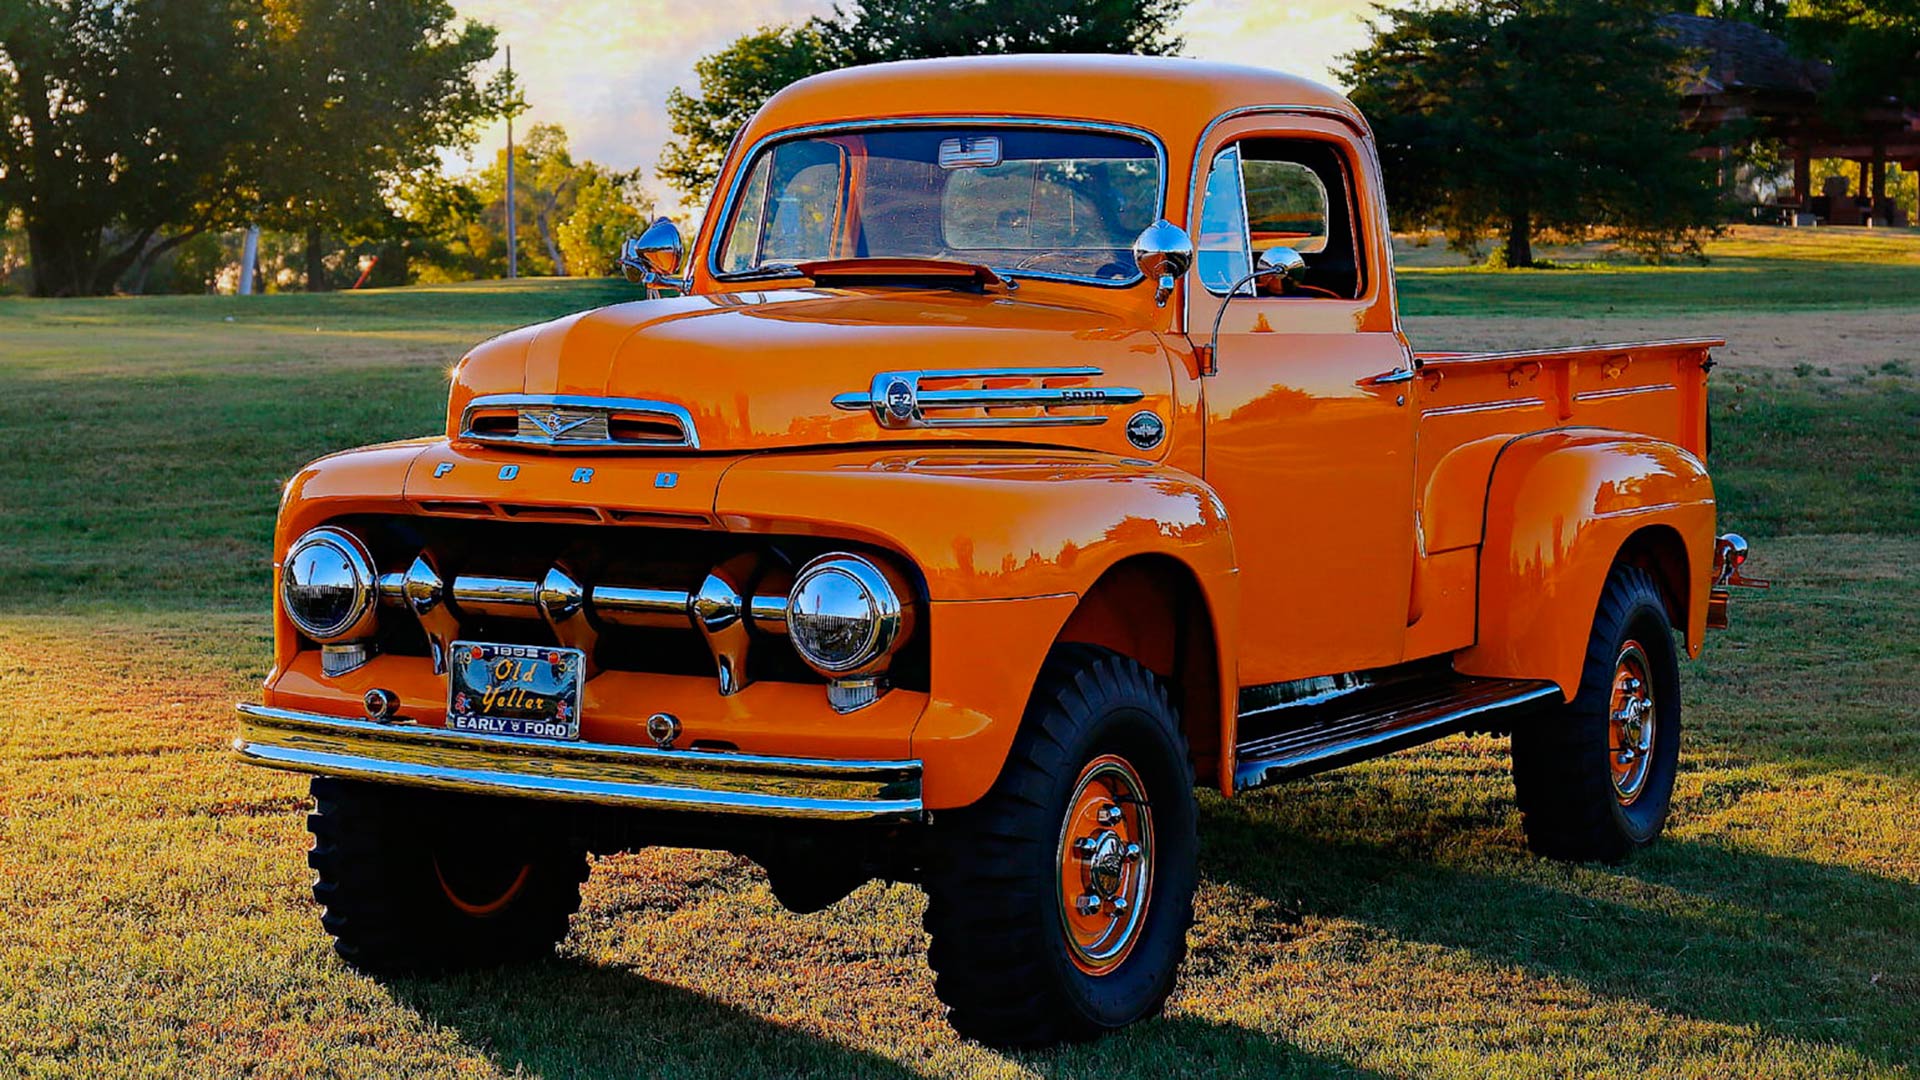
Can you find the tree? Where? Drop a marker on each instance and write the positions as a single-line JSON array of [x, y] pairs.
[[1873, 45], [571, 214], [734, 83], [878, 30], [1522, 116], [738, 79], [367, 96], [606, 211], [130, 117]]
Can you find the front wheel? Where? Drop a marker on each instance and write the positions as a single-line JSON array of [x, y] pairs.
[[1059, 904], [1595, 778], [419, 881]]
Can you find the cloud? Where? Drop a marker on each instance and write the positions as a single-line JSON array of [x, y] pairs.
[[602, 69]]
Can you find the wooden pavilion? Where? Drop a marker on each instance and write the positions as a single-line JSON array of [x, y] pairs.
[[1749, 74]]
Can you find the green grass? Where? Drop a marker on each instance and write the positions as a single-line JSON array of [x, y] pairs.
[[1750, 269], [1381, 921]]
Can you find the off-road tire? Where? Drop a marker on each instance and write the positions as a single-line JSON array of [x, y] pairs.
[[1000, 951], [386, 858], [1563, 759]]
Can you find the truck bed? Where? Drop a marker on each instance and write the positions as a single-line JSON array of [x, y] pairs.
[[1472, 405], [1655, 388]]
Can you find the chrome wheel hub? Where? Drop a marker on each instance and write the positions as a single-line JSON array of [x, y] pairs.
[[1105, 858], [1631, 723]]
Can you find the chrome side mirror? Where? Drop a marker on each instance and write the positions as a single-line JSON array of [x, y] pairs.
[[1278, 261], [654, 257], [1283, 261], [1163, 251]]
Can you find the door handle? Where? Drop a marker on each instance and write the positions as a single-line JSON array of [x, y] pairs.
[[1397, 375]]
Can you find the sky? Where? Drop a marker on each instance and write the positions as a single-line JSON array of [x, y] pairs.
[[602, 68]]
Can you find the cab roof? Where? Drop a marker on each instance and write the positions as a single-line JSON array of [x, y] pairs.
[[1171, 97]]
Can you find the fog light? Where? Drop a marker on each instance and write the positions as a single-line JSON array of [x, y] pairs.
[[844, 617], [327, 584]]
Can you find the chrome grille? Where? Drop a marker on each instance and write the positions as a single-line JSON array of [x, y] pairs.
[[571, 422]]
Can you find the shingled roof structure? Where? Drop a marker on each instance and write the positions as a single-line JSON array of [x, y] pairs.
[[1746, 73]]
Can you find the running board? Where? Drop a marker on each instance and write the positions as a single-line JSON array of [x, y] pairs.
[[1353, 723]]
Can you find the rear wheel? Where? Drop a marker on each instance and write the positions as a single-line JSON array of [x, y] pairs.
[[418, 881], [1595, 778], [1059, 904]]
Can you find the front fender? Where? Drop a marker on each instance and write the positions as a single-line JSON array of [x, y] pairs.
[[986, 525], [1007, 542], [1560, 507]]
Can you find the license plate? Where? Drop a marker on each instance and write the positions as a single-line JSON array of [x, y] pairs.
[[531, 690]]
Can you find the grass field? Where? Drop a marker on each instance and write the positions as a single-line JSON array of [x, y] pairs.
[[1382, 921]]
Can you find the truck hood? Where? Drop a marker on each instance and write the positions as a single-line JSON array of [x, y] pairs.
[[762, 370]]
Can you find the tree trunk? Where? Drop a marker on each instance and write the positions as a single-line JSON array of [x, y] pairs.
[[152, 255], [316, 261], [553, 250], [63, 256], [109, 270], [1519, 239]]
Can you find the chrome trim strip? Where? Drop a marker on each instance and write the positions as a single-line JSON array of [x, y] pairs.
[[1624, 391], [898, 403], [1484, 407], [607, 407], [597, 773], [745, 160]]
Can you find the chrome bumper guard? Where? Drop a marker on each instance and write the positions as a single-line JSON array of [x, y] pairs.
[[598, 773]]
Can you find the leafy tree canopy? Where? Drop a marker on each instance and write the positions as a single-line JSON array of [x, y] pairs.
[[129, 127], [1520, 116], [737, 80], [570, 215]]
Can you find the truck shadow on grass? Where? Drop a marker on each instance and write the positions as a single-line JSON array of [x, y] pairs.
[[1796, 949], [569, 1018]]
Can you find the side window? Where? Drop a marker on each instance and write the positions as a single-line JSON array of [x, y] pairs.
[[1286, 204], [1220, 252], [1263, 193]]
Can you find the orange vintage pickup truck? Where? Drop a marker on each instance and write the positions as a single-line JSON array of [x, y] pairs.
[[1028, 442]]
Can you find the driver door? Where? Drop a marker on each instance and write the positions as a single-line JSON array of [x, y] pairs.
[[1309, 433]]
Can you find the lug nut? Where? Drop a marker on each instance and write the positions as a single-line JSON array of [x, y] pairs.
[[1085, 847], [1119, 906], [1107, 815], [1131, 853], [1088, 904]]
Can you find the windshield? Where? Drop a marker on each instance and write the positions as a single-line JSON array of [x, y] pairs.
[[1033, 201]]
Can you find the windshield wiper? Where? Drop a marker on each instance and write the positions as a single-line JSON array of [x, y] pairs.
[[770, 270]]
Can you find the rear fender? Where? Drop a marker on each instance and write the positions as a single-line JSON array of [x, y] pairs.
[[1561, 508]]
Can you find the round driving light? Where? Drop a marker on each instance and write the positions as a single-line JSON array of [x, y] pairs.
[[326, 584], [843, 616]]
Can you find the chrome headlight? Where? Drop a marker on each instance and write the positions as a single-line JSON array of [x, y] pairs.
[[844, 616], [327, 585]]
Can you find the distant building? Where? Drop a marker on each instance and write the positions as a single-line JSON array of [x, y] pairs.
[[1750, 74]]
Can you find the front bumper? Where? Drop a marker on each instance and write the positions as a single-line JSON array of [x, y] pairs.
[[598, 773]]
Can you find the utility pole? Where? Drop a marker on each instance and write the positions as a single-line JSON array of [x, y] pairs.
[[513, 243]]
